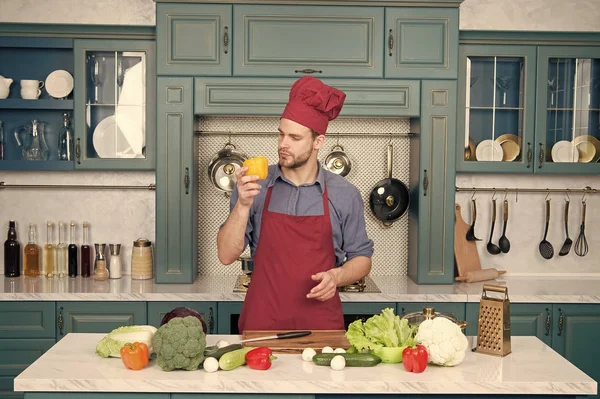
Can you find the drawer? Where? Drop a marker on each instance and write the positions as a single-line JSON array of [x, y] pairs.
[[27, 319], [16, 355]]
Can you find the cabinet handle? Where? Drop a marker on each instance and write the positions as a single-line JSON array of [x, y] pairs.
[[60, 321], [308, 70], [211, 321], [391, 42], [402, 311], [548, 322], [529, 155], [225, 39], [425, 183], [78, 152], [186, 181], [561, 321], [541, 155]]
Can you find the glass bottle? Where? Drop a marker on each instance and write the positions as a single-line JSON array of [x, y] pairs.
[[86, 253], [49, 252], [72, 252], [31, 259], [100, 272], [1, 141], [115, 260], [12, 252], [65, 140], [61, 253]]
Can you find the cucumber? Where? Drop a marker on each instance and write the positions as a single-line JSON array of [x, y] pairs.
[[234, 359], [352, 359], [216, 352]]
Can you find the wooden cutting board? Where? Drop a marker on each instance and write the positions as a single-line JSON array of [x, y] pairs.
[[465, 252], [317, 340]]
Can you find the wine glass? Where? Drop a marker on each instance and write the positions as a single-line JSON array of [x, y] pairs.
[[96, 75], [120, 75], [503, 83]]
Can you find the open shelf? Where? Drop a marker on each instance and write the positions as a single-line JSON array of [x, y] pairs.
[[18, 103]]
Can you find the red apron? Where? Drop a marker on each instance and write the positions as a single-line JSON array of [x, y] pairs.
[[290, 250]]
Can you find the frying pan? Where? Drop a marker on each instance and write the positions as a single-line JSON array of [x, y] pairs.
[[390, 197]]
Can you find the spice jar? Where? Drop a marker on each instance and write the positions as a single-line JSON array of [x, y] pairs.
[[115, 260], [141, 260], [100, 273]]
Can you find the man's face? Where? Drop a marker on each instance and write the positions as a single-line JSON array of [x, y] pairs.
[[296, 144]]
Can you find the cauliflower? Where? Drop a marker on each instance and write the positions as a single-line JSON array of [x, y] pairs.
[[180, 344], [446, 344]]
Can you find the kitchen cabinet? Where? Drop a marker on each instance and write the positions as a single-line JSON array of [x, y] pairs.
[[327, 41], [115, 104], [15, 356], [157, 310], [194, 39], [421, 42], [176, 183], [431, 184], [97, 317]]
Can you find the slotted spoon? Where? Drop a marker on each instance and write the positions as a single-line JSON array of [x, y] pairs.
[[564, 250], [546, 249]]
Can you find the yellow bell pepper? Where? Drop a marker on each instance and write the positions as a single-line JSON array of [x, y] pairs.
[[257, 166]]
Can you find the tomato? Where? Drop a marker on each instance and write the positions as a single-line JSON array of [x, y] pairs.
[[257, 166]]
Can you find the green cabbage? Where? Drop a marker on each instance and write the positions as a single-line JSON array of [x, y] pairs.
[[385, 330], [110, 346]]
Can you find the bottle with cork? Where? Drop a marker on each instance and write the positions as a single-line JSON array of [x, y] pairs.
[[31, 252], [12, 252]]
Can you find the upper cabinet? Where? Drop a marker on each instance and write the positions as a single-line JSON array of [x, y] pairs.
[[529, 109], [194, 39], [115, 104], [421, 42], [323, 41]]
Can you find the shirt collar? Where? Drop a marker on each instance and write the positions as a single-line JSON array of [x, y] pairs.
[[279, 176]]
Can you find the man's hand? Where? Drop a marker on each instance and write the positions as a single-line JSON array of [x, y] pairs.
[[247, 187], [326, 288]]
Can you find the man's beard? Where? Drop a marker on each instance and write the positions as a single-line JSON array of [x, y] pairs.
[[295, 162]]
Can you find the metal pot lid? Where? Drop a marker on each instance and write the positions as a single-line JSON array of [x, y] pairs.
[[338, 162], [225, 176], [429, 313], [223, 167]]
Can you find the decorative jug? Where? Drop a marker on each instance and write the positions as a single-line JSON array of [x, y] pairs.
[[5, 86], [32, 141]]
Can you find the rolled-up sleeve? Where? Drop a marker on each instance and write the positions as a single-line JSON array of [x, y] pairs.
[[354, 232]]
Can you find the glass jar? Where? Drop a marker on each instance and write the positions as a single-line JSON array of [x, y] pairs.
[[429, 313], [142, 260]]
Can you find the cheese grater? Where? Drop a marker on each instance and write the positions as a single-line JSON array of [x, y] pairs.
[[493, 332]]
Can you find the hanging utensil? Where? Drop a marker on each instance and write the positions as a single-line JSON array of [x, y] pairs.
[[566, 247], [223, 166], [337, 161], [546, 249], [471, 231], [504, 243], [581, 245], [491, 247]]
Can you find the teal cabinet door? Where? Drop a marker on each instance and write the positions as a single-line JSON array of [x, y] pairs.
[[98, 317], [115, 101], [15, 356], [432, 181], [576, 330], [325, 41], [252, 96], [421, 43], [193, 39], [567, 128], [526, 319], [229, 314], [176, 184], [454, 309], [496, 103], [27, 320], [157, 310]]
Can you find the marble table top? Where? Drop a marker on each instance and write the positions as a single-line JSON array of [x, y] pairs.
[[532, 368]]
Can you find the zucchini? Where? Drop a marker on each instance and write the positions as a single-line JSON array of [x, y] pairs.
[[352, 359], [234, 359], [216, 352]]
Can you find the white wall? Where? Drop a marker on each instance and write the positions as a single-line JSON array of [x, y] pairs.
[[125, 216]]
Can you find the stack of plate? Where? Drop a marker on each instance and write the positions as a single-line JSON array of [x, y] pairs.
[[505, 148], [582, 149]]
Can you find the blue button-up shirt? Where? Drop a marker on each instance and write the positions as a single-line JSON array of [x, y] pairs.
[[346, 209]]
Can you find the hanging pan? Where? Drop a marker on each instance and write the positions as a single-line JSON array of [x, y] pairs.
[[337, 161], [390, 197], [223, 166]]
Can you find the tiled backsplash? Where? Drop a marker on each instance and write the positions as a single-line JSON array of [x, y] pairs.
[[526, 220], [115, 216]]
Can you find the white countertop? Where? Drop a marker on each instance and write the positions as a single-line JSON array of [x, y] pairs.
[[220, 288], [532, 368]]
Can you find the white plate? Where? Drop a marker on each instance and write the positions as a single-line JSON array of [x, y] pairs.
[[109, 141], [564, 151], [489, 150], [59, 83]]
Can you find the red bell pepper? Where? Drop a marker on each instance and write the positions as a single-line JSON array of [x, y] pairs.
[[415, 358], [260, 358]]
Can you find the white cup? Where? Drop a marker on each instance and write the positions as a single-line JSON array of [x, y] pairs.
[[31, 84], [30, 94], [4, 93]]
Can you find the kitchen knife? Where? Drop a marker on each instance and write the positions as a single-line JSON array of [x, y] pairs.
[[292, 334]]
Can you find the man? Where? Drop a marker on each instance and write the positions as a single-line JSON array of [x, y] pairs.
[[305, 225]]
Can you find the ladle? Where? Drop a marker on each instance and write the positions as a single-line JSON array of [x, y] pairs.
[[503, 243], [491, 247]]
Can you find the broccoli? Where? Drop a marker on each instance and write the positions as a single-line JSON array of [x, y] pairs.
[[180, 344]]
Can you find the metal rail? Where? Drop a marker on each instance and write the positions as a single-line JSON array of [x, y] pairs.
[[149, 187], [329, 134]]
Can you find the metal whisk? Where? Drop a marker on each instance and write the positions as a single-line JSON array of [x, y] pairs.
[[581, 245]]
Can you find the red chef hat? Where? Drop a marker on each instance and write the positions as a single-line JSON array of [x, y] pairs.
[[313, 104]]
